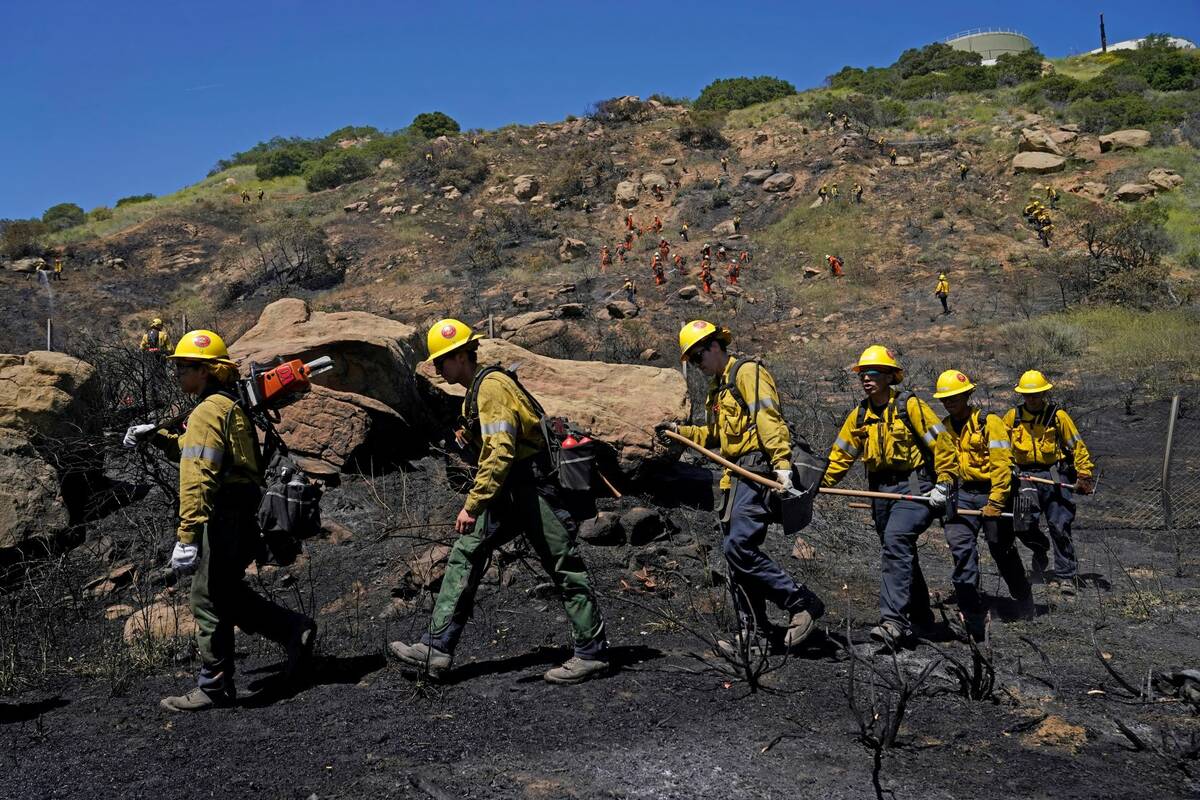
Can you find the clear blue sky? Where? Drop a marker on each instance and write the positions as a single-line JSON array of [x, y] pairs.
[[107, 99]]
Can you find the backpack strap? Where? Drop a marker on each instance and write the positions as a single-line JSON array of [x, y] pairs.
[[731, 386], [902, 401]]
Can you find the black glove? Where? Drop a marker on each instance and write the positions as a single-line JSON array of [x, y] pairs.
[[660, 432]]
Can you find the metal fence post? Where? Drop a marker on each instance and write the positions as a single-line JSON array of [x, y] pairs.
[[49, 334], [1166, 468]]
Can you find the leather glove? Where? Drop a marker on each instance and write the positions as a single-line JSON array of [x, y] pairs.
[[184, 558], [784, 478], [135, 434], [665, 426], [992, 510], [1084, 484], [939, 495]]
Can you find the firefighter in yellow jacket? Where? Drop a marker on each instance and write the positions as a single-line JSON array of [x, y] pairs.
[[1044, 436], [942, 292], [984, 456], [896, 435], [515, 491], [220, 485], [745, 421], [155, 339]]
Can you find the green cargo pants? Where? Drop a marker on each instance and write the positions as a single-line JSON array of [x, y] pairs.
[[521, 506], [220, 597]]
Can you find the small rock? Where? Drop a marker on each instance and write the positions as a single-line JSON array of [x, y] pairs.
[[904, 161], [803, 550], [687, 292], [761, 137], [519, 321], [644, 525], [1164, 179], [570, 249], [649, 354], [794, 312], [725, 228], [525, 187], [626, 193], [1035, 141], [119, 611], [604, 529], [810, 272], [416, 208], [756, 175], [669, 162], [652, 179], [1038, 163]]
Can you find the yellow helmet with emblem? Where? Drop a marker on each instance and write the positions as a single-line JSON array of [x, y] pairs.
[[697, 331], [448, 335], [1033, 382], [952, 382], [879, 356], [202, 345]]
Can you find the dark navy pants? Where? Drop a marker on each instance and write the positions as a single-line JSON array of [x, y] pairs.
[[754, 577], [961, 535], [1058, 508], [903, 594]]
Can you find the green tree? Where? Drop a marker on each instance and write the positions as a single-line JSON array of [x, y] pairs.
[[728, 94], [433, 124], [936, 57], [335, 168], [282, 162], [63, 216], [21, 237], [135, 198]]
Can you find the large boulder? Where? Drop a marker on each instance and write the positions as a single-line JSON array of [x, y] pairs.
[[540, 332], [570, 249], [1090, 189], [652, 179], [779, 182], [1132, 192], [622, 309], [1165, 179], [31, 505], [1036, 141], [618, 403], [726, 228], [627, 193], [28, 264], [1133, 139], [518, 321], [51, 395], [332, 431], [525, 187], [1062, 137], [757, 175], [1038, 163]]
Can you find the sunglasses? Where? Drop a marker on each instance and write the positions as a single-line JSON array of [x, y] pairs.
[[183, 366], [873, 374], [695, 357]]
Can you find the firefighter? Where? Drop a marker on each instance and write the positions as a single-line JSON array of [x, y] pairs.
[[245, 197], [835, 265], [605, 259], [656, 267], [1052, 196], [724, 164], [155, 339], [630, 290], [892, 156], [220, 485], [664, 248], [744, 258], [722, 256], [833, 192], [737, 222], [735, 269], [823, 193], [628, 240], [680, 264], [621, 254], [1032, 208], [896, 435], [514, 493], [984, 456], [845, 122], [858, 193], [1044, 437], [706, 279], [1045, 231], [629, 221], [963, 169], [942, 292], [58, 268], [656, 226], [829, 119], [744, 418], [657, 191], [683, 231], [774, 165], [706, 250]]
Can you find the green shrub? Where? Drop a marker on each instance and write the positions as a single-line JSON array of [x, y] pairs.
[[702, 129], [282, 162], [433, 124], [21, 238], [862, 109], [667, 100], [728, 94], [135, 198], [936, 57], [351, 133], [100, 214], [335, 168], [1014, 68], [63, 216]]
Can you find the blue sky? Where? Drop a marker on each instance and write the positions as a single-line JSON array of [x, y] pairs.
[[107, 99]]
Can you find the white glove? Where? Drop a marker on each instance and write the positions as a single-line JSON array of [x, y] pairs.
[[784, 478], [183, 558], [136, 433], [939, 496]]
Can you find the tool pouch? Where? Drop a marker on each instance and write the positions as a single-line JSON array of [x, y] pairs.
[[807, 470]]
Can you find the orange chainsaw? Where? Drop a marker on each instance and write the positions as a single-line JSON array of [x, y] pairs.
[[271, 387]]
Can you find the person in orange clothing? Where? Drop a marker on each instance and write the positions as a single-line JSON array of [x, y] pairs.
[[721, 254], [605, 258], [706, 279], [629, 240], [621, 254], [629, 221], [656, 226], [735, 269], [835, 266], [657, 268], [744, 258], [664, 248], [680, 263]]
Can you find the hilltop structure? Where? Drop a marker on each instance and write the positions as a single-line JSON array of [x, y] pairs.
[[991, 43]]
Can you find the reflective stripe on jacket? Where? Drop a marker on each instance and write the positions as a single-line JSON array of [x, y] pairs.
[[983, 452], [1035, 444], [885, 443], [740, 431], [509, 431]]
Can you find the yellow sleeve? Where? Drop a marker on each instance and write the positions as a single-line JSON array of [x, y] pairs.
[[201, 451], [499, 427], [145, 341], [937, 438], [949, 442], [167, 442], [757, 388], [1069, 435], [844, 451], [999, 458]]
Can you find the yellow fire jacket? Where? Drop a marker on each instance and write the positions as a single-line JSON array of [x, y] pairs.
[[1038, 444], [509, 431], [164, 341], [210, 456], [740, 431], [885, 443], [982, 451], [943, 287]]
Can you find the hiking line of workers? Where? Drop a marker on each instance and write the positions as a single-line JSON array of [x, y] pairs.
[[903, 445], [662, 255]]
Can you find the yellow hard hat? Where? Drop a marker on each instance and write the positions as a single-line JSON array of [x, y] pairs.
[[942, 277], [1033, 382], [696, 332], [879, 356], [448, 335], [156, 323], [952, 382], [202, 345]]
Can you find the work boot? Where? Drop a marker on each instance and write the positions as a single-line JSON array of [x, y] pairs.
[[429, 660], [800, 627], [1068, 588], [888, 633], [299, 651], [576, 670], [733, 650], [200, 700]]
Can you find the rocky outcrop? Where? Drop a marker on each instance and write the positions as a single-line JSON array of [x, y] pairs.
[[334, 431], [570, 249], [622, 309], [1090, 189], [539, 333], [1164, 179], [525, 187], [756, 175], [31, 503], [28, 265], [726, 228], [627, 193], [618, 403], [779, 182], [1132, 192], [1036, 141], [1038, 163], [652, 179], [50, 395], [1133, 139]]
